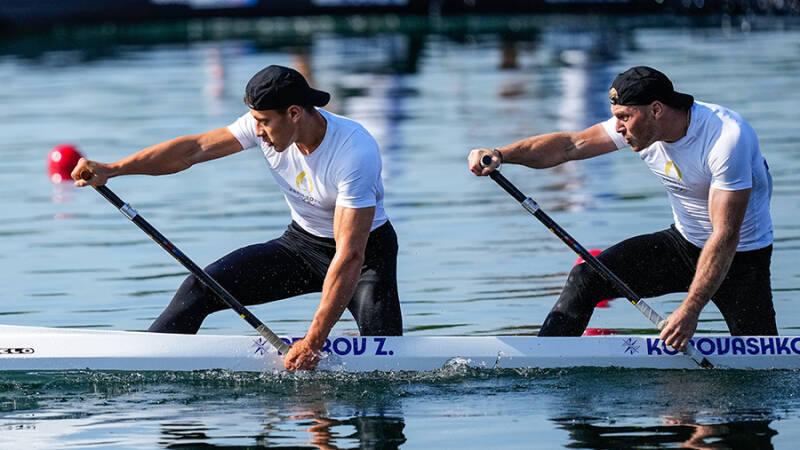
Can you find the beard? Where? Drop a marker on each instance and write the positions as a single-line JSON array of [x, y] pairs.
[[644, 136]]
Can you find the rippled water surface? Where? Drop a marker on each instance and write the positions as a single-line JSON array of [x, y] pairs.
[[471, 261]]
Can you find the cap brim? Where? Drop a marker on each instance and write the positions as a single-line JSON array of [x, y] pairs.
[[318, 98], [681, 100]]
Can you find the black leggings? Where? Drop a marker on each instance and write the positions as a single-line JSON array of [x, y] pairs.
[[661, 263], [291, 265]]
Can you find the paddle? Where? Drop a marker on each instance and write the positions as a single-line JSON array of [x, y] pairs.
[[201, 274], [533, 208]]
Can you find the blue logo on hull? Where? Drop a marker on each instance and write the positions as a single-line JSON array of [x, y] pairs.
[[773, 345]]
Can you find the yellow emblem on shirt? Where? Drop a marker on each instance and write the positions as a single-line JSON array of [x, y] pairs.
[[304, 183], [671, 165]]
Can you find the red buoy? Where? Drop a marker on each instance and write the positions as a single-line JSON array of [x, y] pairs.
[[60, 162]]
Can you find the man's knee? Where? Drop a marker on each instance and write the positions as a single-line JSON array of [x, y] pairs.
[[585, 288], [754, 322], [562, 323], [376, 309]]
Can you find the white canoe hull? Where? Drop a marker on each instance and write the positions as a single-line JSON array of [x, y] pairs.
[[37, 348]]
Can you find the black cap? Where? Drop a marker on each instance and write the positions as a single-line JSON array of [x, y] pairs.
[[278, 87], [643, 85]]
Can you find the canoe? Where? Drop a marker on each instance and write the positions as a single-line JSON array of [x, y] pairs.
[[38, 348]]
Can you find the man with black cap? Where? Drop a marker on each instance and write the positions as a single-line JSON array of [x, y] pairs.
[[340, 241], [719, 187]]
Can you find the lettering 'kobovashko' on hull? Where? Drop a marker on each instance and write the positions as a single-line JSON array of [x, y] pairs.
[[38, 348]]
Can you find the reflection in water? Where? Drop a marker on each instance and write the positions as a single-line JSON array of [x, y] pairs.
[[301, 429], [751, 435], [315, 425], [516, 79], [370, 431], [215, 80], [724, 409], [586, 58], [376, 89], [183, 432], [312, 410]]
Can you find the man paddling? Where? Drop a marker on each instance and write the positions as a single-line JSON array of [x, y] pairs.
[[340, 241], [719, 187]]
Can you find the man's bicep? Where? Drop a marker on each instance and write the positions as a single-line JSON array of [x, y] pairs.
[[351, 226], [216, 144], [591, 142], [358, 175], [728, 207], [730, 160]]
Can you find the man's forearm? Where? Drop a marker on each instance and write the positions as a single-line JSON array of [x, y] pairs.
[[539, 152], [167, 157], [712, 267], [337, 291]]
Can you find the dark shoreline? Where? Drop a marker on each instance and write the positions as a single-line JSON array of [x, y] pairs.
[[24, 16]]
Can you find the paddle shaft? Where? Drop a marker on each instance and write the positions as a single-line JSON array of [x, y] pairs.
[[533, 208], [201, 274]]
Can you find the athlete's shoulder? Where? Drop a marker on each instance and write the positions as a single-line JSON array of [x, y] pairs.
[[725, 117], [244, 130], [719, 123], [349, 134], [342, 123]]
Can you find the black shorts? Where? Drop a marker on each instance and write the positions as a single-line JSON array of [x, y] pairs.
[[291, 265], [660, 263]]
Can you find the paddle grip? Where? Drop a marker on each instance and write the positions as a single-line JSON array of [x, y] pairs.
[[495, 175]]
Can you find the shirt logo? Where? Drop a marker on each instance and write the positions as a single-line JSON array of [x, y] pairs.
[[304, 183], [671, 165]]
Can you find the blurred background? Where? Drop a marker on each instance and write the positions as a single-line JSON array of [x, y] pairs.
[[430, 80], [34, 14]]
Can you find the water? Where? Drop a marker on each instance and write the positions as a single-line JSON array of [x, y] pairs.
[[471, 261], [453, 407]]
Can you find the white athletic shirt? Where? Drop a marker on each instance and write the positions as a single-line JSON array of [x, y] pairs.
[[345, 170], [720, 151]]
